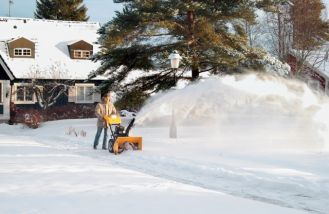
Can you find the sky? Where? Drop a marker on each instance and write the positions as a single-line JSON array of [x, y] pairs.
[[98, 10]]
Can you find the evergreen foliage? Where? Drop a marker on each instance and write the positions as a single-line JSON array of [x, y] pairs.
[[131, 100], [208, 34], [273, 5], [71, 10]]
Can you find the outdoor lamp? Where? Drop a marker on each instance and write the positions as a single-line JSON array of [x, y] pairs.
[[174, 59]]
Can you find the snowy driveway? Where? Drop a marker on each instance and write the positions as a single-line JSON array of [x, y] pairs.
[[38, 177]]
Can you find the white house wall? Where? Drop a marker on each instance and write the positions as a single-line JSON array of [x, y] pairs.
[[6, 100]]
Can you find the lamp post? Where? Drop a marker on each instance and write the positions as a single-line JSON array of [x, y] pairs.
[[173, 127], [174, 61]]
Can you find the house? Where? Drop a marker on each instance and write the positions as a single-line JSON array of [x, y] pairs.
[[315, 72], [34, 52]]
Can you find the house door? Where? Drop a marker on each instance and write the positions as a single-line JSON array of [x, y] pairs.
[[4, 100]]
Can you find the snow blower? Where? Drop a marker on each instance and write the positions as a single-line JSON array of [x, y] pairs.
[[120, 139]]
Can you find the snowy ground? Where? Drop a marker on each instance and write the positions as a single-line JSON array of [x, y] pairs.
[[246, 144], [48, 171]]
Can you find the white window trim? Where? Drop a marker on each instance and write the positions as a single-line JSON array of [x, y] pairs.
[[22, 49], [81, 52], [19, 101], [84, 85], [1, 94]]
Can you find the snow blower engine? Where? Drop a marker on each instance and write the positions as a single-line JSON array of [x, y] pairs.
[[120, 139]]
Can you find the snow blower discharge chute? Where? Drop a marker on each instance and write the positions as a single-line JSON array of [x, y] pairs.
[[120, 138]]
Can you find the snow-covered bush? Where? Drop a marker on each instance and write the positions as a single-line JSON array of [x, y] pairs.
[[73, 131], [275, 66]]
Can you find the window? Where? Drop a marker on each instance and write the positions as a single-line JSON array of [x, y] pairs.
[[1, 90], [22, 52], [77, 54], [86, 54], [85, 93], [24, 93], [81, 54]]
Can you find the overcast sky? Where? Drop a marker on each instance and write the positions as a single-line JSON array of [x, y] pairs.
[[98, 10]]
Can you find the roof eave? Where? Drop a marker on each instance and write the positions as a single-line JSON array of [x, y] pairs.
[[6, 68]]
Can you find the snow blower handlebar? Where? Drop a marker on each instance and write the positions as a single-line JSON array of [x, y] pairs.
[[112, 119]]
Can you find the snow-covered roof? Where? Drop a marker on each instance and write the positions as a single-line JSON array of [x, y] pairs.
[[51, 38], [318, 60]]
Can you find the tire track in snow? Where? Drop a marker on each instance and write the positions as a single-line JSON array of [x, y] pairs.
[[294, 193]]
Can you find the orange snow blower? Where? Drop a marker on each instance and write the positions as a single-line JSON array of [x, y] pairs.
[[120, 135]]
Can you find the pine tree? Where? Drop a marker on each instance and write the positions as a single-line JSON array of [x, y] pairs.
[[208, 34], [45, 9], [71, 10]]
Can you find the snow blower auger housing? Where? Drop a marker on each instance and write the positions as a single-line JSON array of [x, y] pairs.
[[120, 135]]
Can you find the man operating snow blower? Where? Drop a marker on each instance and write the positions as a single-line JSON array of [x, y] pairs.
[[120, 139], [104, 108]]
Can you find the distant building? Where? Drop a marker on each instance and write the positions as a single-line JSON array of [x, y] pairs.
[[316, 75], [47, 50]]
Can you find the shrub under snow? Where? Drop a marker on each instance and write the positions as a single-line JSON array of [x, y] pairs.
[[274, 66]]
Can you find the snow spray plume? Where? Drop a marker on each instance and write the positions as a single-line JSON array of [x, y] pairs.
[[257, 107]]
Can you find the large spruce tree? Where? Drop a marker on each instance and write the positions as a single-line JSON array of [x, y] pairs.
[[71, 10], [208, 34]]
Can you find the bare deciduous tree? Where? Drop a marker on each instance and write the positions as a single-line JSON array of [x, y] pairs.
[[49, 84], [279, 28], [310, 32]]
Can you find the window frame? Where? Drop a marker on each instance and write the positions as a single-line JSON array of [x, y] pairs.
[[85, 85], [22, 51], [81, 53], [23, 101]]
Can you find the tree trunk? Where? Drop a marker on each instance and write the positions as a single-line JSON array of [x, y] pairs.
[[191, 27], [280, 39], [195, 73]]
